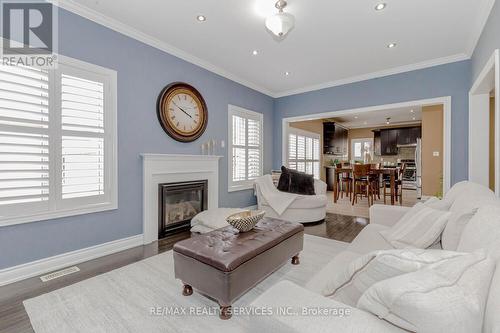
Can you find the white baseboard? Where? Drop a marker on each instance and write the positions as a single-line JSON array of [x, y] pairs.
[[42, 266]]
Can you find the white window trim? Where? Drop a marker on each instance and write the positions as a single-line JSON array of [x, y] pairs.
[[111, 141], [298, 131], [241, 112], [361, 140]]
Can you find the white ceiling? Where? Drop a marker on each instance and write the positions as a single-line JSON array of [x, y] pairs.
[[399, 116], [333, 42]]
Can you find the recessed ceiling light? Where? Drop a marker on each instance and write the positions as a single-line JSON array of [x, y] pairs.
[[365, 123], [414, 118], [255, 52], [287, 73], [201, 18], [411, 111], [380, 6], [391, 45], [355, 117]]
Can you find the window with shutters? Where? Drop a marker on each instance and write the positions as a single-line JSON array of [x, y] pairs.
[[245, 147], [57, 141], [304, 151]]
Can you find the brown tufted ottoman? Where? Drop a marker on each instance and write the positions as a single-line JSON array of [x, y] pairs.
[[224, 264]]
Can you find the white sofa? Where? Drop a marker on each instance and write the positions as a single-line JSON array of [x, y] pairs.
[[463, 196], [305, 209]]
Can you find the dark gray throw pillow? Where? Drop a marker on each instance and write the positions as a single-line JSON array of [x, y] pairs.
[[296, 182], [284, 181]]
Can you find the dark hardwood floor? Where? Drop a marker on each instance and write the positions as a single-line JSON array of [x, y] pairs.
[[14, 319]]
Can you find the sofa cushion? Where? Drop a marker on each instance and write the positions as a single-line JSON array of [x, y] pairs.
[[370, 239], [420, 227], [449, 296], [319, 281], [454, 228], [289, 296], [491, 318], [483, 232], [437, 203], [363, 272], [470, 196]]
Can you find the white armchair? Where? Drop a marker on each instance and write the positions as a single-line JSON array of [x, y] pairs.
[[305, 209]]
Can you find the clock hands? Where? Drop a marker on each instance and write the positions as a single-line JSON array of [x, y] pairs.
[[182, 110]]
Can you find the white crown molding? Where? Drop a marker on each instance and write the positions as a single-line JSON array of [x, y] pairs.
[[120, 27], [45, 265], [484, 14], [374, 75]]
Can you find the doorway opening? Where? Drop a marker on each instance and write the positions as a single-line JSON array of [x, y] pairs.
[[484, 126]]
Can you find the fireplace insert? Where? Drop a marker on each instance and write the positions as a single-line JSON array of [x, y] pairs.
[[178, 203]]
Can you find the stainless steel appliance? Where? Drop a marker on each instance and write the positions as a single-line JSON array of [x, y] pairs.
[[409, 177]]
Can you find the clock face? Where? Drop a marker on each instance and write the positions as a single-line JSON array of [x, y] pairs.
[[182, 112]]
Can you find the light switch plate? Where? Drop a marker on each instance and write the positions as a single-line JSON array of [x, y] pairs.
[[435, 154]]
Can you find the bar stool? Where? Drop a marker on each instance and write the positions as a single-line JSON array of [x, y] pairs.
[[398, 185], [361, 183], [345, 183]]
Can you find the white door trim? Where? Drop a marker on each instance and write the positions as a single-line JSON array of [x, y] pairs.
[[479, 96], [445, 100]]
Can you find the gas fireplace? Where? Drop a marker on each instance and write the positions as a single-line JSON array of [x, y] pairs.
[[178, 204]]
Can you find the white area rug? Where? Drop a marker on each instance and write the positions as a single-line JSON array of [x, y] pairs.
[[122, 300]]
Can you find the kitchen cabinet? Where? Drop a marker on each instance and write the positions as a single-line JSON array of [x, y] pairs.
[[334, 139], [330, 178], [415, 133], [389, 142]]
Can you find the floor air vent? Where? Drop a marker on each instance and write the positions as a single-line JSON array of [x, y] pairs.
[[58, 274]]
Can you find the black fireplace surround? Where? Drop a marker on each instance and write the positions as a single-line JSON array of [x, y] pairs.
[[178, 203]]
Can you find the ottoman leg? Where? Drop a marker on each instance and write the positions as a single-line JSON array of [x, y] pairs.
[[225, 312], [187, 290], [295, 260]]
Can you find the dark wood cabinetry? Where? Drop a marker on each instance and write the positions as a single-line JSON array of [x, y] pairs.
[[334, 139], [389, 142], [392, 138]]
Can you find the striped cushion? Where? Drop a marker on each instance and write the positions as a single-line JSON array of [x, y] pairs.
[[420, 227]]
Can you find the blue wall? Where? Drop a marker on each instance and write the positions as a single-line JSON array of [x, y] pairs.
[[488, 42], [445, 80], [142, 72]]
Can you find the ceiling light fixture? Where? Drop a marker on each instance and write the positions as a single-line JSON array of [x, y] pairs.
[[355, 117], [255, 52], [388, 120], [414, 118], [287, 73], [201, 18], [380, 6], [280, 23], [391, 45], [411, 111]]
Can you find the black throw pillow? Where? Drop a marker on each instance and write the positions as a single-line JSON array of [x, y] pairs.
[[284, 181], [296, 182]]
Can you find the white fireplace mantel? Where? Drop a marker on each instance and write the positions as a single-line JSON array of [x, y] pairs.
[[169, 168]]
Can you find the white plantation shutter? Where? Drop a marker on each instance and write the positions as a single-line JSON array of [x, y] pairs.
[[82, 119], [245, 162], [254, 158], [303, 152], [24, 138], [57, 141]]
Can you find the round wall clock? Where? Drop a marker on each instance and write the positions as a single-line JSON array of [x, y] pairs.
[[182, 112]]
